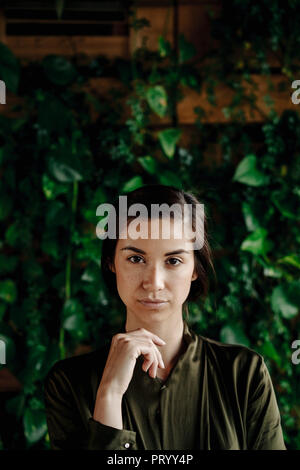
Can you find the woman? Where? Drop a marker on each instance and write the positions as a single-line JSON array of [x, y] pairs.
[[158, 385]]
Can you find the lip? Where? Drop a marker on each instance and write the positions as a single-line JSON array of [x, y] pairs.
[[153, 303]]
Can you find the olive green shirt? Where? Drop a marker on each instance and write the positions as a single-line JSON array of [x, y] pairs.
[[217, 396]]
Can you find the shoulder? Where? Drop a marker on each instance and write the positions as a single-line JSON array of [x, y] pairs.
[[238, 358], [80, 367]]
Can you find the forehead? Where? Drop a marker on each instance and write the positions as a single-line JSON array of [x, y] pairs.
[[162, 232]]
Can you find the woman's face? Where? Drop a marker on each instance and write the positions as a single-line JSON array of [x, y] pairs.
[[154, 269]]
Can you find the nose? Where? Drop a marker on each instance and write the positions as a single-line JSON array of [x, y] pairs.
[[153, 278]]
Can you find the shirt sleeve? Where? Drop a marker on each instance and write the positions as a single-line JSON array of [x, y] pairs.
[[264, 430], [66, 427]]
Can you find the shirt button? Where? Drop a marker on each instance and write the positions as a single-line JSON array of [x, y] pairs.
[[127, 445]]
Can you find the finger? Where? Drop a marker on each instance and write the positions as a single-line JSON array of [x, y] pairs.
[[150, 362], [153, 369], [149, 358], [160, 361], [147, 363], [155, 338], [153, 359], [158, 340]]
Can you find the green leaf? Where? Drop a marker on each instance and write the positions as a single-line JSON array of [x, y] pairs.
[[168, 140], [76, 326], [13, 234], [63, 172], [292, 259], [257, 242], [247, 173], [186, 49], [70, 307], [132, 184], [164, 47], [52, 188], [285, 299], [233, 334], [169, 178], [149, 164], [272, 271], [35, 360], [35, 425], [59, 70], [157, 99], [9, 68], [251, 221], [268, 350], [91, 250], [288, 203], [91, 273], [73, 319], [8, 291], [102, 297]]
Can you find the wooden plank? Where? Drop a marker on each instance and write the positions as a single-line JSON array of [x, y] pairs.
[[194, 24], [161, 23], [224, 95], [2, 26], [37, 47]]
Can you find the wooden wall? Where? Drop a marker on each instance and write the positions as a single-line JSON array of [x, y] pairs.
[[190, 18]]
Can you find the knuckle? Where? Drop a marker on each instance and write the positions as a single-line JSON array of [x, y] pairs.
[[130, 347], [117, 337]]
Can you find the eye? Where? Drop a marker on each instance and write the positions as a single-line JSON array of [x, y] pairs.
[[134, 256], [175, 259]]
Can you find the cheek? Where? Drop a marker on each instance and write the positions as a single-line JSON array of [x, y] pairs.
[[127, 279], [183, 273], [181, 281]]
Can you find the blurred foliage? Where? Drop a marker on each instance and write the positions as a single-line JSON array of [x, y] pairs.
[[71, 147]]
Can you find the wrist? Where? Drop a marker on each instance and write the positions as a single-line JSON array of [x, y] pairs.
[[107, 393], [108, 408]]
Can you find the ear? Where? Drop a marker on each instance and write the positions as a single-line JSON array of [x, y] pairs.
[[194, 276]]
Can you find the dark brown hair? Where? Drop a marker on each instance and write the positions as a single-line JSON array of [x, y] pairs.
[[159, 194]]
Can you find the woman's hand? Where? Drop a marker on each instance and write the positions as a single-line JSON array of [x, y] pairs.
[[124, 350]]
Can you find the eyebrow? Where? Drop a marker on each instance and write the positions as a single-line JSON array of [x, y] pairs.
[[138, 250]]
